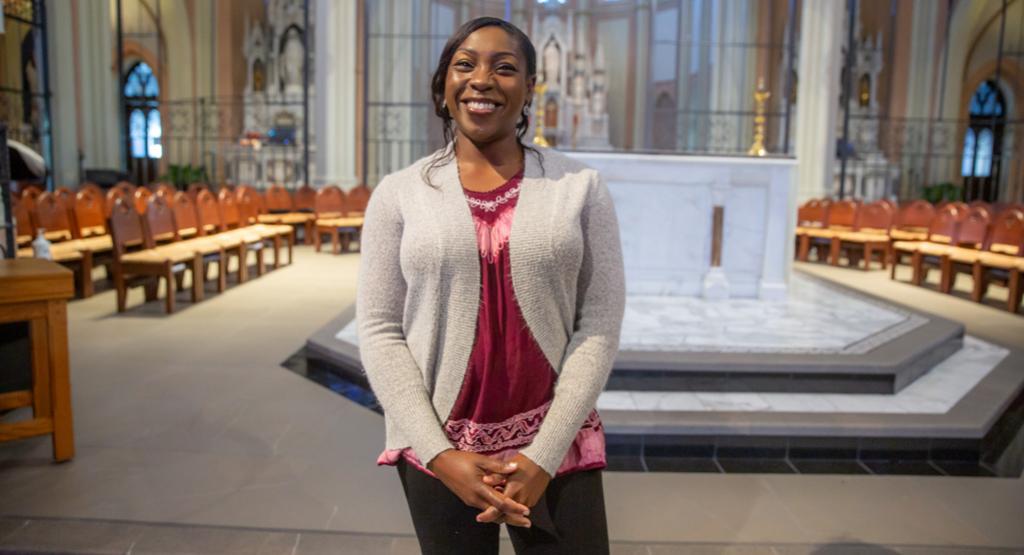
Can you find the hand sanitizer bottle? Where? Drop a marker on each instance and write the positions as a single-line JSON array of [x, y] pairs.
[[41, 246]]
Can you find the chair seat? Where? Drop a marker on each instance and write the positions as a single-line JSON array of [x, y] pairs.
[[964, 256], [24, 239], [820, 233], [58, 254], [203, 245], [223, 239], [862, 237], [1002, 261], [187, 232], [339, 222], [98, 243], [295, 218], [269, 218], [158, 255], [906, 246], [275, 229], [93, 231], [244, 234], [906, 235], [934, 249]]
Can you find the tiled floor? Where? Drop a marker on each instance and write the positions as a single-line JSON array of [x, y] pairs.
[[190, 421]]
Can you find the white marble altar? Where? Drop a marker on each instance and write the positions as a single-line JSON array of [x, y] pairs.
[[665, 203]]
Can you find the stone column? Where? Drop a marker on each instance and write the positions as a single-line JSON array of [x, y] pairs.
[[63, 120], [821, 37], [335, 103], [641, 81]]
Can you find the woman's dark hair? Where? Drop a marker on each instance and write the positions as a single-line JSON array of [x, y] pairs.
[[437, 83]]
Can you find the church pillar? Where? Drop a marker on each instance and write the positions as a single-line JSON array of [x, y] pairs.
[[641, 81], [335, 82], [63, 121], [817, 94]]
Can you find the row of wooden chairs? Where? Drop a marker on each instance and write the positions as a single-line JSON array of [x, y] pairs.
[[955, 237]]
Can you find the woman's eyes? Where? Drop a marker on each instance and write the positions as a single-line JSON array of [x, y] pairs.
[[466, 64]]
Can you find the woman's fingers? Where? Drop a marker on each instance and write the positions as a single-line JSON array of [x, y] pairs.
[[490, 514], [489, 497], [491, 466], [495, 479]]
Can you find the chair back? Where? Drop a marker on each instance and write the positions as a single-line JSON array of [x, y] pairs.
[[811, 214], [876, 217], [1007, 235], [249, 206], [229, 215], [357, 199], [330, 202], [52, 216], [843, 213], [31, 193], [304, 199], [125, 186], [194, 189], [126, 230], [115, 194], [278, 199], [185, 216], [24, 220], [142, 196], [66, 196], [946, 223], [974, 227], [159, 216], [917, 215], [163, 189], [208, 211], [89, 213], [97, 194]]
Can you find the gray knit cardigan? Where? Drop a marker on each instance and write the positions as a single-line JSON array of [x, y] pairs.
[[419, 293]]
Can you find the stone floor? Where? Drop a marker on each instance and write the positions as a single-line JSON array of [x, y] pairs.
[[191, 435]]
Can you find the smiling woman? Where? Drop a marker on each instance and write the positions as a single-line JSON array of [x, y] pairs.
[[490, 301]]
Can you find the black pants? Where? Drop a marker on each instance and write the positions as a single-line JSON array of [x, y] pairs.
[[568, 519]]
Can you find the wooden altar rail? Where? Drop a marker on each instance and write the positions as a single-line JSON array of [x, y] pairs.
[[37, 291]]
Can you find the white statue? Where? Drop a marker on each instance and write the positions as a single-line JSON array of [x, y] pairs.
[[551, 61], [293, 63]]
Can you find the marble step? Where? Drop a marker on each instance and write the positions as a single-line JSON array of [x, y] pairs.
[[886, 368]]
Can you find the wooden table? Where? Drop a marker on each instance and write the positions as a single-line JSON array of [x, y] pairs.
[[37, 291]]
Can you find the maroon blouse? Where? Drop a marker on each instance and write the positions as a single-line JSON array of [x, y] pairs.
[[509, 383]]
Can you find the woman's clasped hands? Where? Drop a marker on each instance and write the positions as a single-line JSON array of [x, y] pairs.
[[504, 491]]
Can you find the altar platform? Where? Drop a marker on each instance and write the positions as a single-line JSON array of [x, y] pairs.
[[826, 375]]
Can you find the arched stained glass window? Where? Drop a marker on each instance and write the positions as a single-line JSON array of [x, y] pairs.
[[137, 133], [982, 154], [142, 96], [967, 165]]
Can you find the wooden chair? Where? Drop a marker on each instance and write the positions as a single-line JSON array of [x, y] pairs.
[[281, 210], [248, 211], [232, 225], [971, 235], [141, 198], [304, 199], [97, 193], [871, 236], [331, 219], [117, 193], [24, 220], [840, 216], [52, 216], [996, 263], [137, 263], [187, 226], [208, 212], [942, 231], [194, 189], [125, 187], [162, 228], [912, 221], [30, 194], [164, 189], [89, 214], [356, 201]]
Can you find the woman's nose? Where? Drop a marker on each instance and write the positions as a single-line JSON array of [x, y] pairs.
[[481, 79]]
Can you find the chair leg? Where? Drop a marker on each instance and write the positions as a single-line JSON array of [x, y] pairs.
[[291, 243], [169, 278], [335, 241], [122, 292], [915, 265], [86, 267], [198, 278], [259, 262], [309, 229], [868, 253], [833, 251], [152, 289], [1014, 286], [277, 251], [243, 264], [316, 239], [883, 255], [895, 262], [946, 275], [978, 289], [222, 272]]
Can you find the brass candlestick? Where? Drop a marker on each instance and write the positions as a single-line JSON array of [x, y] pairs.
[[538, 137], [761, 96]]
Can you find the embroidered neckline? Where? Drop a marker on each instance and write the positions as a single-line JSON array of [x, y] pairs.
[[492, 205]]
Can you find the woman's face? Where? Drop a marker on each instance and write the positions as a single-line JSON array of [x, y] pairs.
[[487, 85]]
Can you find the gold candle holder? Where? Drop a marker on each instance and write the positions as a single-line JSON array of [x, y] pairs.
[[538, 136], [761, 96]]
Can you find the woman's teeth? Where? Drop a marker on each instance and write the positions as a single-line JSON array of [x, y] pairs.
[[477, 106]]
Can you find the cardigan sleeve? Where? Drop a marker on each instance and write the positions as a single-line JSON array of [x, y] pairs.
[[590, 353], [394, 375]]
